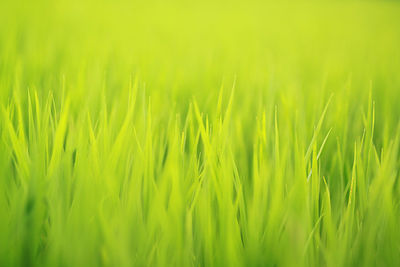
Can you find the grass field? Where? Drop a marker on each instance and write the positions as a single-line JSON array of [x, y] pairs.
[[199, 133]]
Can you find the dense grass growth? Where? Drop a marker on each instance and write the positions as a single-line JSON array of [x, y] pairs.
[[199, 134]]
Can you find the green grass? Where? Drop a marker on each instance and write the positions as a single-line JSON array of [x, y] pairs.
[[199, 133]]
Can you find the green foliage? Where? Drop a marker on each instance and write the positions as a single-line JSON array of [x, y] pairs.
[[199, 133]]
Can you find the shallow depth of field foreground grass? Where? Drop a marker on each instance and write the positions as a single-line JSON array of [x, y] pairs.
[[236, 133]]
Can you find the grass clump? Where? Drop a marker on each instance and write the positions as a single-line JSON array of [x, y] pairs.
[[199, 134]]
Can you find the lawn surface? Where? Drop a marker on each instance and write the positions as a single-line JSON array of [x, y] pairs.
[[197, 133]]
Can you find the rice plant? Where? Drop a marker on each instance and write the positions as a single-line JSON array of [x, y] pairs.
[[180, 133]]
